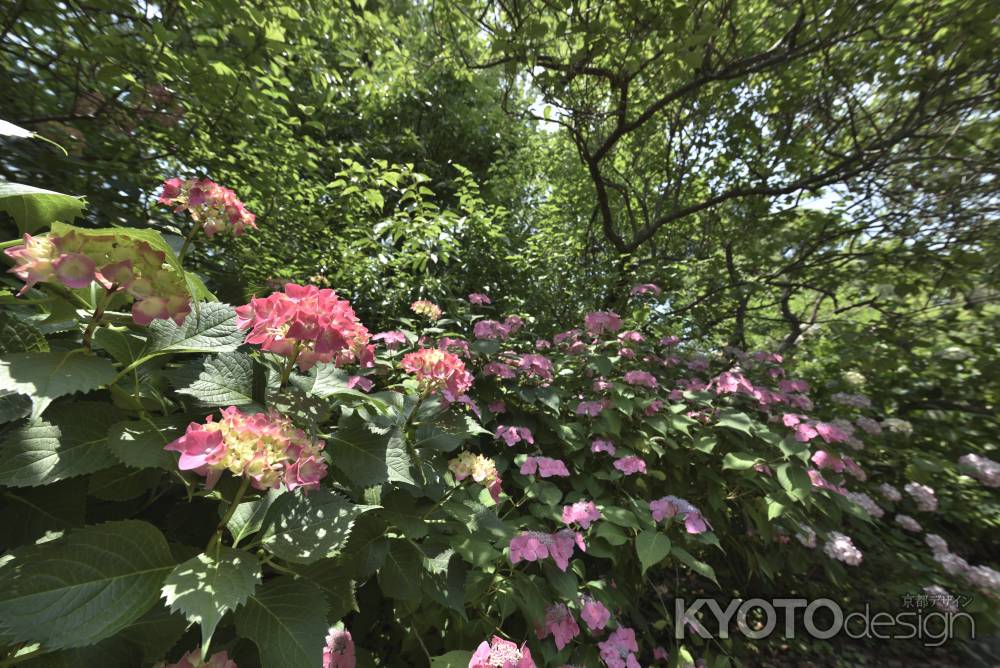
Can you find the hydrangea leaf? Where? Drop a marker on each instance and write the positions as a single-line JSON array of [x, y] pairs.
[[34, 209], [304, 528], [652, 548], [286, 619], [71, 441], [84, 587], [208, 586], [368, 458], [210, 328], [248, 518], [18, 336], [139, 444], [45, 376], [220, 380]]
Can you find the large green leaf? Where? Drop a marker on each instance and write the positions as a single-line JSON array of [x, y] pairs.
[[27, 514], [71, 441], [210, 328], [458, 658], [652, 548], [18, 336], [206, 587], [139, 443], [84, 587], [45, 376], [369, 458], [34, 209], [286, 619], [402, 571], [220, 380], [248, 518], [304, 528]]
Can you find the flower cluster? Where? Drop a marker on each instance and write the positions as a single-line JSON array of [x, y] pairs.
[[500, 653], [117, 262], [438, 371], [427, 308], [583, 513], [479, 299], [514, 435], [908, 523], [560, 624], [594, 613], [546, 467], [265, 447], [630, 465], [339, 650], [619, 650], [983, 577], [840, 547], [307, 324], [866, 502], [598, 322], [983, 469], [215, 207], [480, 469], [670, 506], [193, 660], [923, 495], [535, 546]]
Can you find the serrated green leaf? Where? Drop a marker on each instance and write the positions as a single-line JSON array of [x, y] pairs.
[[248, 518], [34, 209], [14, 406], [18, 336], [139, 444], [739, 460], [286, 619], [45, 376], [368, 458], [71, 441], [210, 328], [400, 575], [208, 586], [220, 380], [304, 528], [84, 587], [652, 548], [697, 566], [735, 420], [27, 514]]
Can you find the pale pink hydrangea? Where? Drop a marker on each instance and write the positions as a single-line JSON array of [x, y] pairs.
[[868, 425], [594, 613], [542, 344], [908, 523], [937, 544], [361, 383], [602, 445], [653, 408], [392, 339], [560, 624], [852, 400], [536, 546], [619, 650], [583, 513], [479, 299], [630, 465], [193, 660], [591, 408], [889, 492], [514, 435], [985, 578], [339, 650], [490, 330], [626, 353], [951, 563], [825, 460], [481, 469], [569, 335], [215, 207], [539, 366], [643, 378], [602, 385], [923, 495], [499, 369], [981, 468], [670, 341], [546, 467], [497, 407], [830, 433], [265, 447], [513, 323], [500, 653], [853, 468], [631, 336], [438, 371], [866, 502], [598, 322], [897, 426], [840, 547], [308, 324], [645, 289], [428, 309], [806, 535], [671, 506], [941, 599], [458, 346]]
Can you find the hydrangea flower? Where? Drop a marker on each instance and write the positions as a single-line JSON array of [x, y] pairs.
[[591, 408], [546, 467], [499, 369], [500, 653], [490, 330], [594, 613], [908, 523], [618, 651], [265, 447], [631, 336], [539, 366], [117, 262], [427, 308], [308, 324], [458, 346], [981, 468], [645, 289], [941, 599], [598, 322], [923, 495], [897, 426], [560, 624], [583, 513], [670, 506], [339, 650], [866, 502], [215, 207], [513, 435], [480, 469], [438, 371], [536, 546], [497, 406], [840, 547], [602, 445], [479, 298], [193, 660], [670, 341], [643, 378], [890, 492], [392, 339], [630, 465], [806, 535]]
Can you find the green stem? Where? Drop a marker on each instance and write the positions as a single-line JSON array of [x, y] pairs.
[[187, 241], [217, 536], [441, 501], [102, 303], [287, 371]]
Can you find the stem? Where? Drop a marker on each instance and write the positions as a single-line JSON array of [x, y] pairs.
[[287, 371], [187, 241], [441, 501], [217, 536], [102, 303]]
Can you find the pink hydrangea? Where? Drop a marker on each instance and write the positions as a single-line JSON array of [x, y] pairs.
[[500, 653], [339, 650], [594, 613], [825, 460], [193, 660], [265, 447], [602, 385], [591, 408], [643, 378], [215, 207], [793, 386], [630, 465], [831, 433], [840, 547], [653, 408], [546, 467], [868, 425], [618, 651], [598, 322], [805, 432], [670, 341], [923, 495], [480, 469], [458, 346], [626, 353], [514, 435], [392, 339], [427, 308], [817, 480], [660, 653], [513, 323], [499, 369], [479, 298], [536, 365], [560, 624], [490, 330], [361, 383], [631, 336], [583, 513], [308, 324], [542, 344], [671, 506], [536, 546], [497, 407], [645, 288], [602, 445], [569, 335], [438, 371]]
